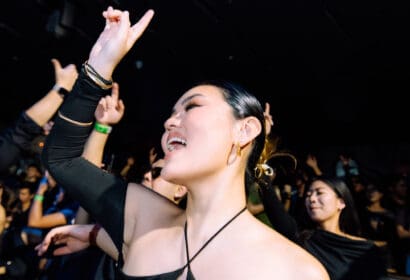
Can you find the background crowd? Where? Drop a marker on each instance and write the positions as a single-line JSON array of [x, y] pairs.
[[33, 203]]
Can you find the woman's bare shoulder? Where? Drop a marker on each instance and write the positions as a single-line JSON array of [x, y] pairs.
[[294, 261], [288, 258], [145, 209], [146, 198]]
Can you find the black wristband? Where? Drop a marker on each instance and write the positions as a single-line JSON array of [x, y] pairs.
[[96, 78], [61, 91], [91, 69]]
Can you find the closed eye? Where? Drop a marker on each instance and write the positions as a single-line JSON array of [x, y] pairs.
[[190, 106]]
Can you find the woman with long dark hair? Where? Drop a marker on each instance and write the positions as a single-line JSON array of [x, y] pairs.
[[334, 238]]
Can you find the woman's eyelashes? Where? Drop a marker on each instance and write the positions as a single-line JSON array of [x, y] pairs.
[[191, 105], [185, 108]]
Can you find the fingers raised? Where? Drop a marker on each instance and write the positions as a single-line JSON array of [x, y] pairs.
[[141, 25], [267, 108], [115, 92], [56, 64], [121, 107]]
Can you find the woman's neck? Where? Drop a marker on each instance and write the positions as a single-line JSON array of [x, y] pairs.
[[213, 202], [331, 225]]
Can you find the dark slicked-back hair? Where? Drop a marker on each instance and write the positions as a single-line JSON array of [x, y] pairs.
[[243, 105]]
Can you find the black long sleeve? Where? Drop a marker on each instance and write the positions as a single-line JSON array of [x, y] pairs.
[[100, 193], [17, 139], [280, 219]]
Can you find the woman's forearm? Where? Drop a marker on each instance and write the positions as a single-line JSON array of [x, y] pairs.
[[105, 243], [45, 108], [101, 194]]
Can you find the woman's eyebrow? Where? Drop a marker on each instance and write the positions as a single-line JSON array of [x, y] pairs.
[[187, 99]]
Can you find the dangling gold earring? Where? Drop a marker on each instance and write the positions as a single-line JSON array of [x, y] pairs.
[[238, 149]]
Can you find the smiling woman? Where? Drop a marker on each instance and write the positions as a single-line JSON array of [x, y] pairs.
[[212, 139], [330, 205], [333, 241]]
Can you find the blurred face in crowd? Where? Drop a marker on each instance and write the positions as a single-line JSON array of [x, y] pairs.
[[322, 203], [32, 173], [374, 195], [24, 195]]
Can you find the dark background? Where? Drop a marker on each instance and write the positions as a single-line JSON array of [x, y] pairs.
[[336, 73]]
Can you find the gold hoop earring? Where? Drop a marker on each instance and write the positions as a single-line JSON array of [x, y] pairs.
[[238, 149]]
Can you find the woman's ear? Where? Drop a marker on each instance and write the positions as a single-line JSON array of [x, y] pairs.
[[341, 204], [246, 130], [251, 127]]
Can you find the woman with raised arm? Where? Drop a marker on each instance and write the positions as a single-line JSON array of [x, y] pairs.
[[16, 139], [213, 137]]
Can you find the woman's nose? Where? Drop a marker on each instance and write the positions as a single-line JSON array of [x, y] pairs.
[[173, 121], [312, 198]]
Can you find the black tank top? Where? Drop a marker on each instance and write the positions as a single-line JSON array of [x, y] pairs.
[[173, 275]]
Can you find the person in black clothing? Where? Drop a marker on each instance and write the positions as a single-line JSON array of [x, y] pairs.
[[213, 137], [17, 241], [334, 238], [16, 140], [76, 238], [15, 143]]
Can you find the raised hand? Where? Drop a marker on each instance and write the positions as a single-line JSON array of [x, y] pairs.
[[311, 161], [116, 40], [130, 161], [71, 238], [65, 77], [42, 186], [268, 118], [110, 109]]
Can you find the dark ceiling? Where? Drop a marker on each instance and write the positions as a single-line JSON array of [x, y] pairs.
[[334, 71]]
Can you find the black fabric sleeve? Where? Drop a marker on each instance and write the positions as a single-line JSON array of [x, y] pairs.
[[100, 193], [17, 139], [280, 219]]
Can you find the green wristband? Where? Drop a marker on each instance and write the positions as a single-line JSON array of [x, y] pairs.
[[39, 197], [106, 129]]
